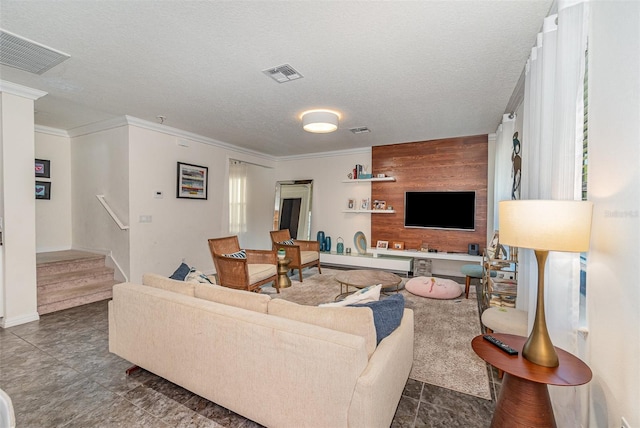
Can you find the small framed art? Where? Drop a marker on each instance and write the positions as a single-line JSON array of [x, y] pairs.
[[382, 245], [192, 181], [43, 190], [397, 245], [43, 168], [351, 204]]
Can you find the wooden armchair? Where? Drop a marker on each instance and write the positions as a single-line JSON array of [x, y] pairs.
[[302, 253], [258, 268]]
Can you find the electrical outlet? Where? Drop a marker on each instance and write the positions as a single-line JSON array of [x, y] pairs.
[[624, 423]]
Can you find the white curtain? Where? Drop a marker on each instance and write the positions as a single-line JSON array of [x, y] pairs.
[[237, 197], [552, 148]]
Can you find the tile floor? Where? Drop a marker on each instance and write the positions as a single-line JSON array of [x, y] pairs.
[[59, 373]]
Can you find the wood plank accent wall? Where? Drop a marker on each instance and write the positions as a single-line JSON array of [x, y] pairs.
[[436, 165]]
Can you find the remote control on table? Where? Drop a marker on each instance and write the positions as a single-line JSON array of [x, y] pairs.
[[506, 348]]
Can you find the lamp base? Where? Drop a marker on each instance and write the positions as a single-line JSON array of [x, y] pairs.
[[538, 349]]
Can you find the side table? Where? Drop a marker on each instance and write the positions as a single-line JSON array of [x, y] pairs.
[[524, 398], [283, 269]]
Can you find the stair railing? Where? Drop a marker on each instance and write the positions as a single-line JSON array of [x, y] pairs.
[[113, 215]]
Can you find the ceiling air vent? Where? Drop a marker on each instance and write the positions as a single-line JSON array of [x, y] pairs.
[[27, 55], [282, 73], [360, 130]]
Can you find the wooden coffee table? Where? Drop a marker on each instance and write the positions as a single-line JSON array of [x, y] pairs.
[[364, 278]]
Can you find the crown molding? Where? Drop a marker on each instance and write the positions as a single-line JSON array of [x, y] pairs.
[[51, 131], [103, 125], [164, 129], [347, 152], [21, 91]]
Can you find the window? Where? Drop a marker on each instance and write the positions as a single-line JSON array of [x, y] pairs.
[[585, 163], [237, 197]]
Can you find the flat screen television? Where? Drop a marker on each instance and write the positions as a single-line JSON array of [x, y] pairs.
[[440, 210]]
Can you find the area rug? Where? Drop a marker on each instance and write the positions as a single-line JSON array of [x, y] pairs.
[[443, 333]]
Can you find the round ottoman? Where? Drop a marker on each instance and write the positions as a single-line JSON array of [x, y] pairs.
[[434, 288], [506, 320]]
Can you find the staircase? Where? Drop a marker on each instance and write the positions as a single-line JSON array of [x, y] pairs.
[[71, 278]]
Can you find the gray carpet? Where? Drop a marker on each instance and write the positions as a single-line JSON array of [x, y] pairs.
[[443, 333]]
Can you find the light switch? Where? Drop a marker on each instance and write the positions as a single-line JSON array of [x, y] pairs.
[[145, 219]]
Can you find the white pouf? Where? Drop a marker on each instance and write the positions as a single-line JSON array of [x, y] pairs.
[[506, 320], [434, 288]]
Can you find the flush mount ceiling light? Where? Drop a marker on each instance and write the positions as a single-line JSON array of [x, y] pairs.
[[320, 121]]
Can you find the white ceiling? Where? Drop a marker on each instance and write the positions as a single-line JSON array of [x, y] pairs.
[[408, 70]]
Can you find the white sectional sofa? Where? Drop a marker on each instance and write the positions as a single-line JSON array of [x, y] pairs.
[[275, 362]]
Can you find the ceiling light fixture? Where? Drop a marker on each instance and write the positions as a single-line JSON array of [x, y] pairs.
[[320, 121]]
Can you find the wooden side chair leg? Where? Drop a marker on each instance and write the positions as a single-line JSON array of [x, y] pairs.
[[467, 284], [300, 274]]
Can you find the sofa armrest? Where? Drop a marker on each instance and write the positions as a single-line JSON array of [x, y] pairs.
[[380, 386], [261, 257], [307, 245]]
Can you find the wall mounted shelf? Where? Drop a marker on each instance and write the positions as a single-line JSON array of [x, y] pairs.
[[369, 211], [362, 180]]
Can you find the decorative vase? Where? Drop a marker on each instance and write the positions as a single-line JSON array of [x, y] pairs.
[[340, 245], [281, 254], [327, 244], [320, 239]]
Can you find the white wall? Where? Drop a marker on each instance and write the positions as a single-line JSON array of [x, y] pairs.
[[99, 166], [53, 217], [330, 195], [180, 227], [18, 285], [613, 293]]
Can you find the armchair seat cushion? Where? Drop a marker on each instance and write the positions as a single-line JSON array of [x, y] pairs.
[[308, 256], [258, 272]]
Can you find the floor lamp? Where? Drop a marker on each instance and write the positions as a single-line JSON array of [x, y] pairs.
[[544, 226]]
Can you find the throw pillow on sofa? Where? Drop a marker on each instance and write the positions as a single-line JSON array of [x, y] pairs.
[[365, 295], [387, 314], [197, 276], [181, 273]]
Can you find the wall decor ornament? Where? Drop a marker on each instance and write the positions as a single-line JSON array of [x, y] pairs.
[[43, 190], [43, 168], [192, 181]]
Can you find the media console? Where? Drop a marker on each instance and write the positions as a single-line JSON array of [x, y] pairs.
[[401, 260]]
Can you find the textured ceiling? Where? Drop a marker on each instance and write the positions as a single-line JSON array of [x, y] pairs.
[[408, 70]]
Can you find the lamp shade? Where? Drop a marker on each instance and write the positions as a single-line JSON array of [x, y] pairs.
[[546, 225], [320, 121]]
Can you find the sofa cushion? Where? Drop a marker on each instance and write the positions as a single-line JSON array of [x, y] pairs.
[[242, 254], [387, 314], [287, 242], [357, 321], [159, 281], [239, 298], [308, 256], [180, 273], [259, 271]]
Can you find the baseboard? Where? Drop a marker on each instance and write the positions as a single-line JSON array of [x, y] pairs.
[[14, 321]]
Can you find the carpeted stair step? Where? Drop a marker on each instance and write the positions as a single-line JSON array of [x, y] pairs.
[[69, 298], [64, 266], [73, 279]]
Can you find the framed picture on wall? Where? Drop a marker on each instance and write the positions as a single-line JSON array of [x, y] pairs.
[[192, 181], [43, 168], [43, 190]]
